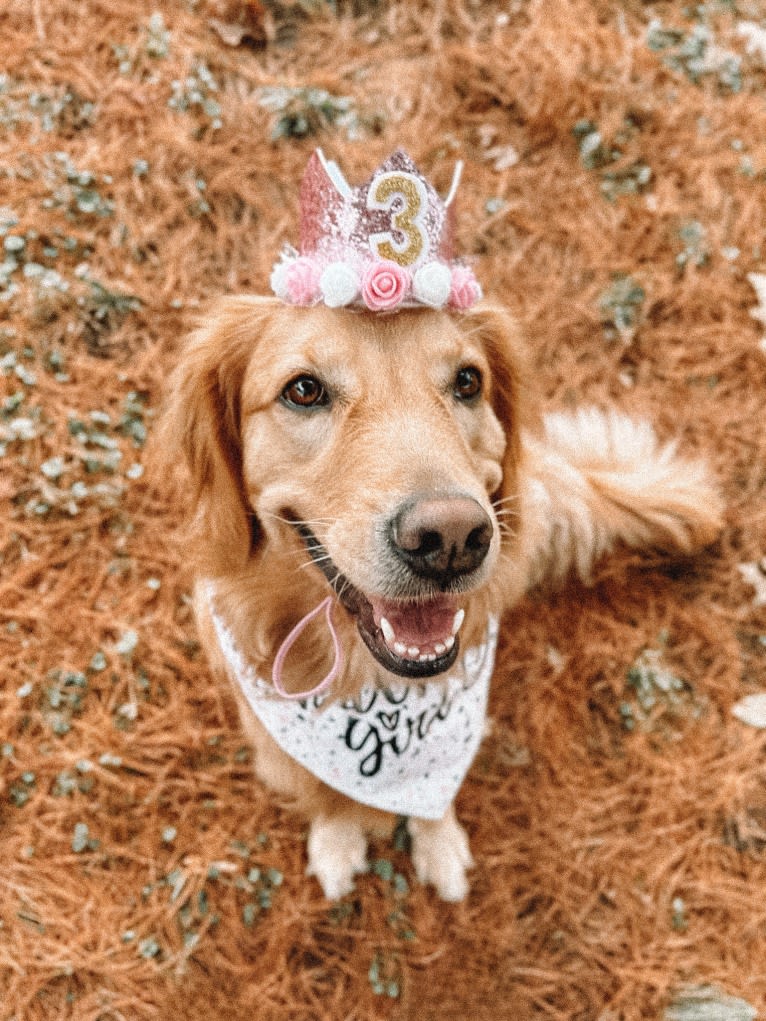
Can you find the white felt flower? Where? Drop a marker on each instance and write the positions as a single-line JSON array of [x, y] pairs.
[[432, 284], [339, 284], [278, 279]]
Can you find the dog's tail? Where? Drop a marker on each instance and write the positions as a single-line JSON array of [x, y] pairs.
[[594, 479]]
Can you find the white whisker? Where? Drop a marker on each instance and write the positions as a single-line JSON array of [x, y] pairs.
[[508, 536], [308, 522], [314, 561], [513, 498], [505, 518]]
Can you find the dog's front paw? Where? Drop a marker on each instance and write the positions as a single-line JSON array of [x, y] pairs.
[[441, 855], [337, 850]]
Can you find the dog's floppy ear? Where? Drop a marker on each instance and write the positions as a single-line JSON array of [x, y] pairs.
[[201, 424], [509, 386]]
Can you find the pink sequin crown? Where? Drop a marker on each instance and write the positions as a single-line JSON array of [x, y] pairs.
[[382, 246]]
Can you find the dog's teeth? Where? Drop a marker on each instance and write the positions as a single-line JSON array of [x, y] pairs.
[[399, 648], [449, 642], [459, 618], [431, 657], [440, 648], [423, 657], [413, 651], [388, 631]]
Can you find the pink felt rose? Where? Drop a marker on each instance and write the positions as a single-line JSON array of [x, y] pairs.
[[384, 285], [301, 281], [466, 290]]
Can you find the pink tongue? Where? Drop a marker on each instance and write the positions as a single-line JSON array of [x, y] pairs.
[[418, 623]]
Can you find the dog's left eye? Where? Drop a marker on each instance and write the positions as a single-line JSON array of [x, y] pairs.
[[467, 383], [305, 392]]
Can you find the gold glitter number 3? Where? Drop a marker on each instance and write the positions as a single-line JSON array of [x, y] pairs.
[[404, 196]]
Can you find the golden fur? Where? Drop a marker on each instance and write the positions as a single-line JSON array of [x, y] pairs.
[[560, 490]]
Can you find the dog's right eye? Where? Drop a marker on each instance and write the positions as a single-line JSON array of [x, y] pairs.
[[305, 392]]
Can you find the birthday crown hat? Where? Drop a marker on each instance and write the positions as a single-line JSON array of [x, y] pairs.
[[384, 245]]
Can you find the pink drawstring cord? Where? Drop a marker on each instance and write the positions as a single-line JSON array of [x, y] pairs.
[[287, 644]]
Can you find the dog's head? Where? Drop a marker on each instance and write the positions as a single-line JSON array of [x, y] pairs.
[[387, 445]]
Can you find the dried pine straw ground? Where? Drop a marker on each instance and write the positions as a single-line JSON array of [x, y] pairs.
[[614, 199]]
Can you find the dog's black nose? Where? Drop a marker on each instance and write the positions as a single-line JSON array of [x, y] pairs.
[[442, 537]]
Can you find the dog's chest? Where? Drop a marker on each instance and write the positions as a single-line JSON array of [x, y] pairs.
[[404, 748]]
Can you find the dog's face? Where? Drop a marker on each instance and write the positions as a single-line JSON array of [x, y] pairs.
[[387, 443]]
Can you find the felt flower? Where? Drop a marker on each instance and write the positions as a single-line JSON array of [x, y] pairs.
[[432, 284], [466, 290], [301, 281], [339, 284], [384, 285], [278, 280]]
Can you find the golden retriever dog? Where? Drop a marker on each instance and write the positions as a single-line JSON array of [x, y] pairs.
[[369, 494]]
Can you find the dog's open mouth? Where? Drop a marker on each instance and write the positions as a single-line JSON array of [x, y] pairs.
[[408, 638], [414, 639]]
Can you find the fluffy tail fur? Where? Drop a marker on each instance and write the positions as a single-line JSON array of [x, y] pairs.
[[595, 478]]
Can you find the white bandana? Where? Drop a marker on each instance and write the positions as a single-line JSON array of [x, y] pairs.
[[404, 748]]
